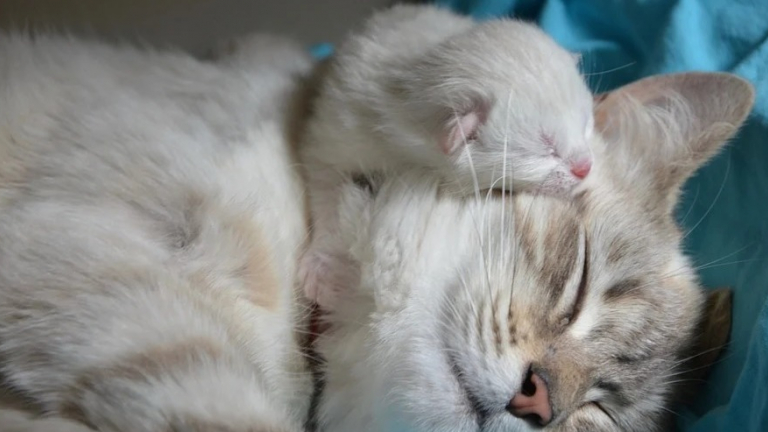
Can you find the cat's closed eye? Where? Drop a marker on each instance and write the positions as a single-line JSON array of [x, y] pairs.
[[578, 300]]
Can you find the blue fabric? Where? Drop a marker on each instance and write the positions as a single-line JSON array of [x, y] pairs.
[[725, 207], [321, 50]]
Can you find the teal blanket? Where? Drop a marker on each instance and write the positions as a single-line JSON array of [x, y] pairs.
[[726, 205]]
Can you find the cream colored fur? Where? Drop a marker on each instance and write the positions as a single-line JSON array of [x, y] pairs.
[[457, 299], [150, 222], [151, 218], [507, 99]]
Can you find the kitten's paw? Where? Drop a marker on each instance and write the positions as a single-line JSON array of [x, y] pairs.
[[324, 277]]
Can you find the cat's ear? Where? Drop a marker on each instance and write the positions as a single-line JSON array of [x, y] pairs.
[[658, 131], [462, 127]]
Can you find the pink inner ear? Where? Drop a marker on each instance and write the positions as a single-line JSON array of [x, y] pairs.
[[459, 131]]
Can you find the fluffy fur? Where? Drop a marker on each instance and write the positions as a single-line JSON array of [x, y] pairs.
[[422, 86], [150, 223], [458, 300], [151, 218]]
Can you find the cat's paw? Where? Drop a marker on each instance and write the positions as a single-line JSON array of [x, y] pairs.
[[325, 276]]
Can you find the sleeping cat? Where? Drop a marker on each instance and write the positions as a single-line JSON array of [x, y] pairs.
[[495, 101], [150, 223], [527, 312], [151, 219]]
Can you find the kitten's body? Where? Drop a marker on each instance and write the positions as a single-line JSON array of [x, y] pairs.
[[150, 223], [494, 102]]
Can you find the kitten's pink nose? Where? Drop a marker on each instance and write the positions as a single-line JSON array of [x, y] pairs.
[[532, 401], [581, 168]]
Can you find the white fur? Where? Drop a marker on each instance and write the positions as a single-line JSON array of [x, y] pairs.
[[128, 194], [496, 104], [438, 271], [134, 188]]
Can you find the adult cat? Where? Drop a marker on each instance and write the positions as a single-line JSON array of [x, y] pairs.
[[516, 314], [152, 217]]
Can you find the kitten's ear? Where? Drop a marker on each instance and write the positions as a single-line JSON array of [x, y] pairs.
[[661, 129], [712, 338], [462, 127]]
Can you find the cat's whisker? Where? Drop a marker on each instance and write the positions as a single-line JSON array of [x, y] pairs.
[[724, 256], [677, 363], [674, 413], [685, 381], [691, 206], [685, 269], [714, 200], [730, 263], [467, 290]]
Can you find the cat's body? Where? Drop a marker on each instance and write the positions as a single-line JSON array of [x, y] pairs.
[[150, 223], [497, 101], [151, 218]]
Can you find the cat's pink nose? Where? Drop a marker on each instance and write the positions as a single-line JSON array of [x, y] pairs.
[[581, 168], [532, 402]]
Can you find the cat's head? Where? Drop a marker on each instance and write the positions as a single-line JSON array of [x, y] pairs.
[[518, 313]]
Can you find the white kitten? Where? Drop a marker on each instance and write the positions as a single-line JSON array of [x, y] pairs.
[[494, 104]]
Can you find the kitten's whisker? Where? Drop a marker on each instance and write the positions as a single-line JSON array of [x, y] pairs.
[[476, 186], [618, 68], [468, 152], [504, 178]]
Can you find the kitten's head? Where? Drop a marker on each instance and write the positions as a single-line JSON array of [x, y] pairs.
[[527, 312], [503, 91]]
